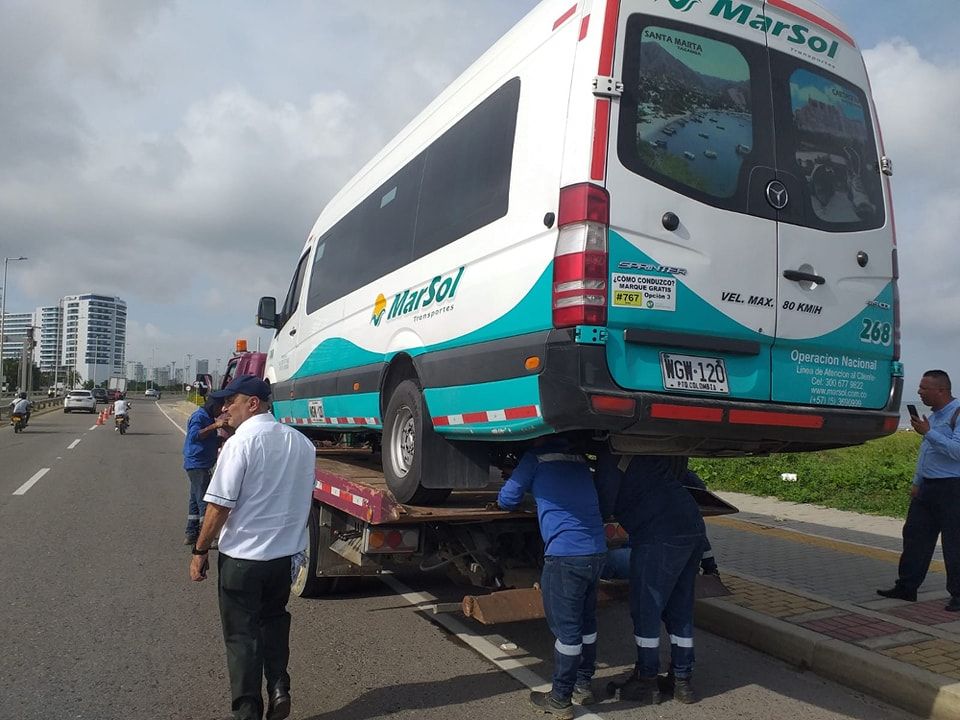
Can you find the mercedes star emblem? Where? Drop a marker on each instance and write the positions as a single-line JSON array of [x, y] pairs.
[[777, 194]]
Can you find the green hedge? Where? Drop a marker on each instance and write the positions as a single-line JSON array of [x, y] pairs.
[[872, 478]]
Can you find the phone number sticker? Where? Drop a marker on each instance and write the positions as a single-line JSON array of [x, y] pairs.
[[645, 292]]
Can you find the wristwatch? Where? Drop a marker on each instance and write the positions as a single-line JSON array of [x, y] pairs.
[[198, 552]]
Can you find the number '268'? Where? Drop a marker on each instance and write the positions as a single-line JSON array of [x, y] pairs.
[[876, 333]]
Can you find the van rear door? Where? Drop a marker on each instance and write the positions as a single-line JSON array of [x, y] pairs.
[[835, 297], [693, 240]]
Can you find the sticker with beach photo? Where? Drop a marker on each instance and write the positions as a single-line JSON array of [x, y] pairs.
[[834, 150], [694, 118]]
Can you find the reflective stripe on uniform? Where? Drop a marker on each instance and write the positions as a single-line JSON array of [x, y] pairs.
[[193, 517], [571, 650], [560, 457], [647, 642], [707, 555], [589, 639], [681, 641]]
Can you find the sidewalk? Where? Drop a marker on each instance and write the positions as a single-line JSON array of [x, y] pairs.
[[804, 583]]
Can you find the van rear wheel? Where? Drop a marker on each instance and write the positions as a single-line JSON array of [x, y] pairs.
[[411, 449]]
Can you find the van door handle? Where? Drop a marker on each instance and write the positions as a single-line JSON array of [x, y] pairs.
[[293, 332], [798, 276]]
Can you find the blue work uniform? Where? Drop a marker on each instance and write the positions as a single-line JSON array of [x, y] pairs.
[[574, 548], [199, 457], [646, 495], [933, 512]]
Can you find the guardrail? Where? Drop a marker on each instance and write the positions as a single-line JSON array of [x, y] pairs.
[[43, 404]]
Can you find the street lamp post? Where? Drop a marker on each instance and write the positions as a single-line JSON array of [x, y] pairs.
[[3, 308]]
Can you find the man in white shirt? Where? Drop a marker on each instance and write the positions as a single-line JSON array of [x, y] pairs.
[[121, 408], [257, 503]]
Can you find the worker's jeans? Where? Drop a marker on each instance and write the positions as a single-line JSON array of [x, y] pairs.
[[569, 589], [256, 629], [199, 480], [662, 579], [933, 513]]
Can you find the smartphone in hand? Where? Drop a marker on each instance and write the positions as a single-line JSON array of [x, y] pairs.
[[912, 409]]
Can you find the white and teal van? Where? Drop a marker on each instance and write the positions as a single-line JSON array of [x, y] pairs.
[[665, 222]]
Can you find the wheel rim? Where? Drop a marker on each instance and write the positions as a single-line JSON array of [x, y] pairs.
[[403, 440]]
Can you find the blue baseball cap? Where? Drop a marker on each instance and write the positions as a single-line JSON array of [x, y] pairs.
[[244, 385]]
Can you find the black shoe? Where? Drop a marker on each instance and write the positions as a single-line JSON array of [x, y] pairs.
[[547, 703], [953, 605], [278, 707], [645, 691], [898, 592], [683, 691]]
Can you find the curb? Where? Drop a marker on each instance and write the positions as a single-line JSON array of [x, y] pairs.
[[905, 686]]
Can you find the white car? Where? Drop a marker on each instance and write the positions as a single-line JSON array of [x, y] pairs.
[[152, 393], [80, 400]]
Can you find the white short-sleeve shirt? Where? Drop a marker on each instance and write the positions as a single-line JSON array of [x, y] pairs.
[[265, 474]]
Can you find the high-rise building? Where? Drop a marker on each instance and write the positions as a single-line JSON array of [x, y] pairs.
[[135, 371], [49, 351], [94, 336], [16, 328]]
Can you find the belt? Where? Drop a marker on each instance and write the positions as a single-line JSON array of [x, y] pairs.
[[939, 479]]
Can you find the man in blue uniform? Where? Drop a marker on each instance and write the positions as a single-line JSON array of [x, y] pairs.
[[574, 548], [646, 495], [935, 494], [200, 448]]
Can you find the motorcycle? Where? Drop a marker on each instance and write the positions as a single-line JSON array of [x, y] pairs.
[[122, 423], [18, 421]]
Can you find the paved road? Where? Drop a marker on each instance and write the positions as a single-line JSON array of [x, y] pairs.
[[100, 621]]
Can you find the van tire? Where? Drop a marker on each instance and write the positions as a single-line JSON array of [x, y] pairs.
[[411, 449]]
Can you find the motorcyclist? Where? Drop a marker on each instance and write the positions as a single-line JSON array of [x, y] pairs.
[[21, 406], [121, 408]]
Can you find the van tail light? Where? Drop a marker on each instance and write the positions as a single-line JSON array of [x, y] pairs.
[[896, 306], [581, 257]]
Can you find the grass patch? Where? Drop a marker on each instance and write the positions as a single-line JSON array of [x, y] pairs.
[[873, 478]]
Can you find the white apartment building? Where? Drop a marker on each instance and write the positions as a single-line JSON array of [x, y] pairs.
[[49, 349], [16, 327], [94, 336]]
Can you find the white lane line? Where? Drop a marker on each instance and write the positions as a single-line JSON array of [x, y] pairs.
[[72, 445], [175, 423], [93, 428], [488, 650], [31, 482]]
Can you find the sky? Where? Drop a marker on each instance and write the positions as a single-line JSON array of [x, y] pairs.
[[177, 153]]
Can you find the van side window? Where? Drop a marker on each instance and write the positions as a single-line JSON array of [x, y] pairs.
[[687, 117], [457, 185], [825, 139], [293, 294], [466, 177]]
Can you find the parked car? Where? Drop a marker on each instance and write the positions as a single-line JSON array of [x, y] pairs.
[[80, 400], [100, 394], [152, 393]]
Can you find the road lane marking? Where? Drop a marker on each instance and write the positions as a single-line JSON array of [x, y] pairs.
[[72, 445], [481, 645], [31, 482], [93, 428], [175, 423]]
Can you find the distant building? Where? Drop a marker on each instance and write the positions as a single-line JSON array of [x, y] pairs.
[[94, 336], [203, 367], [49, 351], [16, 328], [135, 371]]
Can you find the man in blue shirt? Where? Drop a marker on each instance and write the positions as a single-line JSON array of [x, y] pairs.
[[574, 548], [199, 456], [646, 495], [935, 504]]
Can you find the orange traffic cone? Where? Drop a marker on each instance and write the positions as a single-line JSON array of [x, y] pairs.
[[100, 419]]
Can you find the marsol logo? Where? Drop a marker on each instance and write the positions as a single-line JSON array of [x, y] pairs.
[[683, 5], [440, 289]]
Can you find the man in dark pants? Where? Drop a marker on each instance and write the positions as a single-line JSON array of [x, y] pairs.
[[935, 504], [199, 456], [257, 502], [666, 531], [574, 550]]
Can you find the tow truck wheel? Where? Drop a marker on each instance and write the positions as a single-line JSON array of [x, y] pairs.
[[410, 447]]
